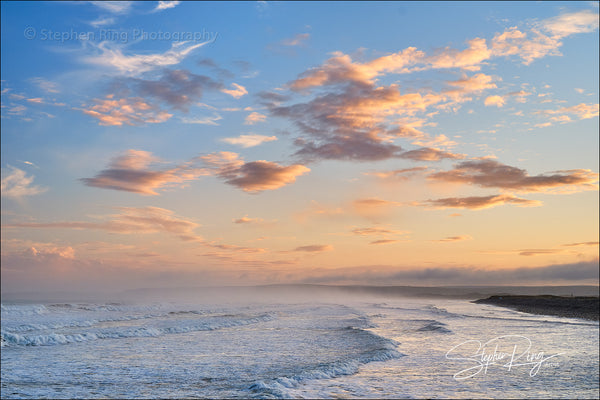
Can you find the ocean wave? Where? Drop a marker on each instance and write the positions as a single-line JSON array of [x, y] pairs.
[[24, 310], [283, 387], [68, 308], [93, 322], [10, 338], [75, 323], [434, 326]]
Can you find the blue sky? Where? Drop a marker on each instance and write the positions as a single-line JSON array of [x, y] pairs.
[[161, 143]]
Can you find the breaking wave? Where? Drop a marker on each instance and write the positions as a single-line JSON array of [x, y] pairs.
[[283, 386], [54, 338]]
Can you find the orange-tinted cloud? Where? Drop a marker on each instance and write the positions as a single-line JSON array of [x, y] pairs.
[[254, 176], [314, 248], [246, 220], [377, 231], [545, 38], [478, 202], [468, 59], [383, 241], [459, 238], [356, 119], [497, 101], [249, 140], [349, 124], [581, 244], [582, 110], [45, 251], [528, 46], [430, 154], [254, 118], [571, 23], [130, 111], [297, 40], [491, 173], [398, 174], [375, 202], [237, 92], [133, 172], [471, 84], [537, 252]]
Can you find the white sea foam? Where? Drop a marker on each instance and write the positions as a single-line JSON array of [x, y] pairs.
[[282, 387], [434, 326]]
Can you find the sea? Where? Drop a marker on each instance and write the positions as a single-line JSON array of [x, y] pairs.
[[283, 346]]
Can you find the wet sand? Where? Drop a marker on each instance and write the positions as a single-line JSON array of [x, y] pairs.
[[571, 307]]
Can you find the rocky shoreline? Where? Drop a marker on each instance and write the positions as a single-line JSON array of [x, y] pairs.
[[561, 306]]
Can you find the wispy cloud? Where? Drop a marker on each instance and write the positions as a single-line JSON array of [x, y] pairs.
[[254, 118], [102, 21], [383, 234], [377, 231], [298, 40], [209, 120], [237, 92], [579, 244], [582, 111], [247, 220], [398, 174], [115, 7], [165, 5], [314, 248], [111, 56], [384, 241], [478, 202], [17, 184], [130, 220], [129, 111], [249, 140], [537, 252], [45, 85], [571, 23], [459, 238], [430, 154], [544, 39]]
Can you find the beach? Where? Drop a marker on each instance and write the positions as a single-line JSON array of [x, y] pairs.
[[584, 307]]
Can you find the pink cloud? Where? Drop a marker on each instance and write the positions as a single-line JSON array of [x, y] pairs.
[[314, 248], [135, 171], [130, 111], [478, 202], [490, 173], [254, 176]]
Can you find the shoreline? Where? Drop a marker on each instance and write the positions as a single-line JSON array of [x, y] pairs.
[[559, 306]]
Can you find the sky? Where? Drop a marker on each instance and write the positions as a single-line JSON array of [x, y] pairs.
[[168, 144]]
